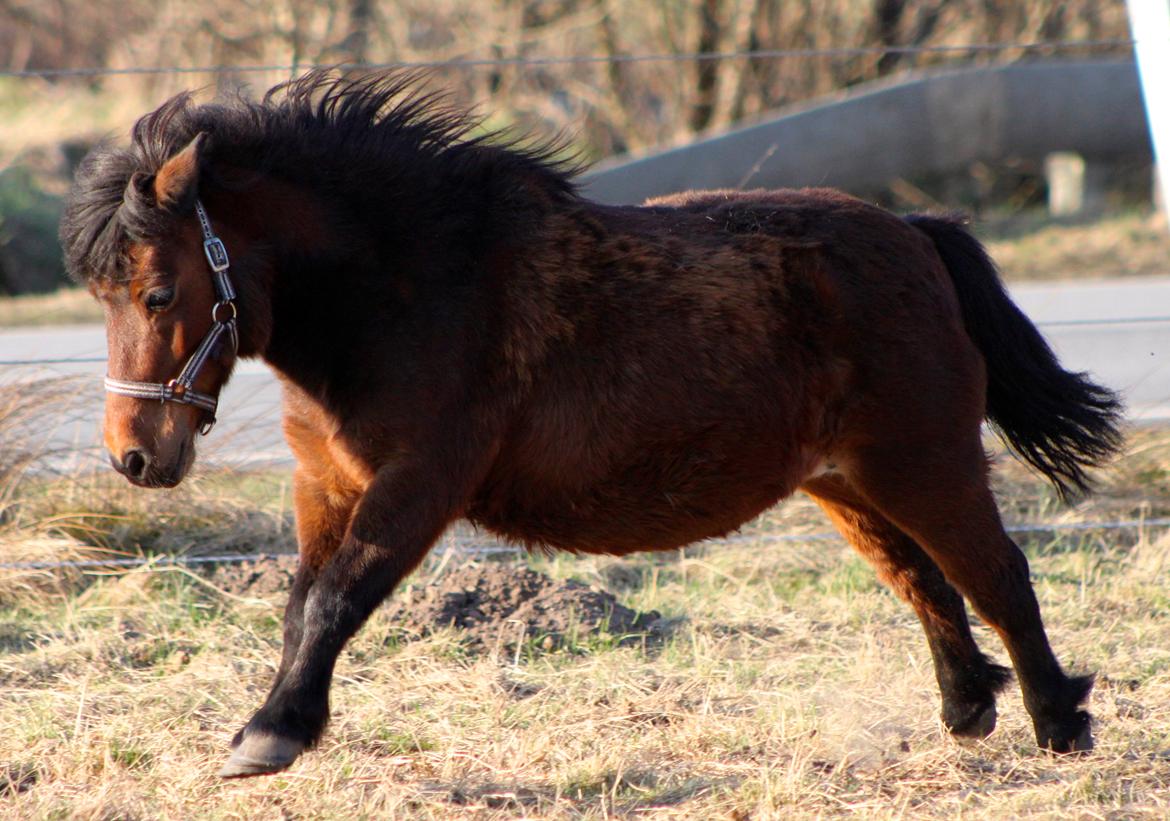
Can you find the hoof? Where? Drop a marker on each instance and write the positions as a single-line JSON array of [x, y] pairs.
[[1081, 744], [261, 754], [1069, 744], [978, 723]]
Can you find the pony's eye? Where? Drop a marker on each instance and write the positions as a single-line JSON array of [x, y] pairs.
[[160, 298]]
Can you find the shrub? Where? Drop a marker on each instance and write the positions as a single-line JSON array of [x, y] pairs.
[[30, 254]]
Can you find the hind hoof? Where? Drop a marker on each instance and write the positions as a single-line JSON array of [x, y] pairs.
[[261, 754]]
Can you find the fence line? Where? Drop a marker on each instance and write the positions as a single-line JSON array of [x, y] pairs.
[[464, 548], [501, 62], [66, 360], [1055, 323], [1126, 320]]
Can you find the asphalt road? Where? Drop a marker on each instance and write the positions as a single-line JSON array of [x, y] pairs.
[[247, 434], [1118, 330]]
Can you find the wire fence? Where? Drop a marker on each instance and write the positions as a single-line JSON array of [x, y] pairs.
[[589, 59], [472, 548], [50, 362], [1088, 322]]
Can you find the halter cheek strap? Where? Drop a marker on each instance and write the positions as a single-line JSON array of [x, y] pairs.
[[223, 316]]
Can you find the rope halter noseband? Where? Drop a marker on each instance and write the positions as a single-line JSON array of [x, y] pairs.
[[223, 316]]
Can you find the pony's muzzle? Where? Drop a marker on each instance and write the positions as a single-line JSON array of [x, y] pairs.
[[134, 464], [147, 469]]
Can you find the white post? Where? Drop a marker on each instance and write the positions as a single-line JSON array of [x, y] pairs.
[[1149, 21]]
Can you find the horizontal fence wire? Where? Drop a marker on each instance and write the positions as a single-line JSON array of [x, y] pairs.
[[62, 360], [1054, 323], [463, 548], [1125, 320], [585, 59]]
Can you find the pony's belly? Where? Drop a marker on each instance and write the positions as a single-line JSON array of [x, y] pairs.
[[628, 514]]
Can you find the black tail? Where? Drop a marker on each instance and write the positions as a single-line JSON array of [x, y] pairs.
[[1059, 422]]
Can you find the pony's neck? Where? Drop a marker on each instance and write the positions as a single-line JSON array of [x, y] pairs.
[[325, 279], [254, 222]]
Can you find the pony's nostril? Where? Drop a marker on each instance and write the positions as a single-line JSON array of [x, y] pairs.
[[134, 463]]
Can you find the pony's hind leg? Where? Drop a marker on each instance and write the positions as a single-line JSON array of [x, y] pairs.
[[967, 680], [939, 496]]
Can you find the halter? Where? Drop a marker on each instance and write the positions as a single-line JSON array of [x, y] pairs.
[[223, 316]]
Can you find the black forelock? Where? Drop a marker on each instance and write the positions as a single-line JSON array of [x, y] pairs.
[[102, 211], [320, 128]]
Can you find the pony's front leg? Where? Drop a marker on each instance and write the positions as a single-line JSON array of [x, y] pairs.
[[397, 519], [322, 515]]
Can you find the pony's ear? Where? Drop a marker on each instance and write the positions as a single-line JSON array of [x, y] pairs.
[[140, 188], [177, 183]]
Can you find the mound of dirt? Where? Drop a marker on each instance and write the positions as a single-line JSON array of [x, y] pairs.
[[266, 576], [492, 605], [497, 605]]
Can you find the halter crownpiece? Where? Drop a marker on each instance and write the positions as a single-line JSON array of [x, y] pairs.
[[223, 315]]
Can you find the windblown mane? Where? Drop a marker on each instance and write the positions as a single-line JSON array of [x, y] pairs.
[[340, 135]]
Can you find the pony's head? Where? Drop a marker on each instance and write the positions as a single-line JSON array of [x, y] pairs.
[[326, 171], [135, 232]]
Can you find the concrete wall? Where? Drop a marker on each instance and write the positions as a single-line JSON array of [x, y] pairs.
[[931, 123]]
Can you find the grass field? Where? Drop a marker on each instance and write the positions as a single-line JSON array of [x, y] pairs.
[[789, 685]]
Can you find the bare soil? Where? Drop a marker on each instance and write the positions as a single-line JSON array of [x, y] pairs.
[[495, 604], [492, 605], [266, 576]]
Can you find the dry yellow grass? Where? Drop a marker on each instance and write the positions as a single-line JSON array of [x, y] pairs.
[[40, 114], [67, 306], [1030, 247], [792, 686]]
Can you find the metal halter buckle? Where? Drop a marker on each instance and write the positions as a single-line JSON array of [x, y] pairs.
[[216, 253]]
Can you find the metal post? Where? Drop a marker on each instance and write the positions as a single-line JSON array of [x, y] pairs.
[[1149, 21]]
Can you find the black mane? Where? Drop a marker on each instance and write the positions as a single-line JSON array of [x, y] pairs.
[[361, 138]]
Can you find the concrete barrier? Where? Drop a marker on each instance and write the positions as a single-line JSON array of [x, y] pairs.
[[930, 123]]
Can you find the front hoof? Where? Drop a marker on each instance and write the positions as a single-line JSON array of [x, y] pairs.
[[974, 722], [261, 753], [1072, 742]]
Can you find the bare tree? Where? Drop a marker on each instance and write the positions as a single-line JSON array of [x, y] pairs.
[[613, 106]]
